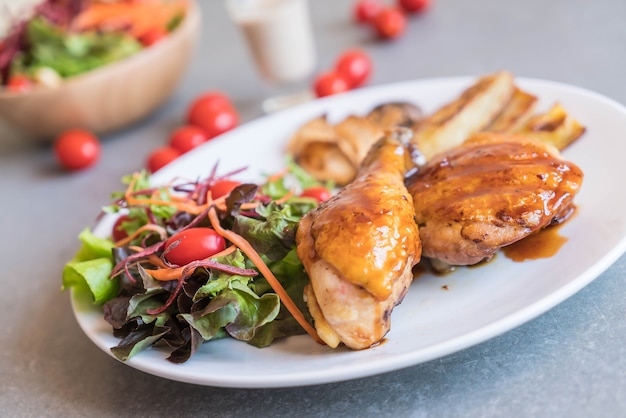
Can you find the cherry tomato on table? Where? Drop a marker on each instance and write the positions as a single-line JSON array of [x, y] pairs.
[[390, 23], [354, 66], [319, 193], [160, 157], [329, 83], [193, 244], [211, 100], [214, 113], [77, 149], [414, 6], [214, 121], [223, 188], [186, 138], [366, 10]]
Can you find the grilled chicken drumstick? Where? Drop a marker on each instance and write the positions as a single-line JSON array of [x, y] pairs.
[[359, 247], [489, 192]]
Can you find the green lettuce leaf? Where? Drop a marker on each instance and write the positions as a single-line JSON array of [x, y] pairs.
[[91, 268]]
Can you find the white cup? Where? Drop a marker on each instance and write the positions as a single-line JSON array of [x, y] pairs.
[[279, 36]]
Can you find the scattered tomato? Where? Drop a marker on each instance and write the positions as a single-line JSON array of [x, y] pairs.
[[366, 10], [414, 6], [223, 188], [193, 244], [77, 149], [160, 157], [212, 114], [390, 23], [186, 138], [319, 193], [354, 66], [152, 36], [208, 102], [18, 83], [329, 83], [118, 233]]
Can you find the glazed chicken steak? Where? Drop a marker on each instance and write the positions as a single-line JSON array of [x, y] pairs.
[[489, 192]]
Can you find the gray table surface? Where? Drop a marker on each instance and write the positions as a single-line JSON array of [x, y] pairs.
[[570, 361]]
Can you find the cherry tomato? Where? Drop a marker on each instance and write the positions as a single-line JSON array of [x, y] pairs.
[[118, 233], [18, 83], [354, 66], [223, 188], [186, 138], [193, 244], [211, 100], [366, 10], [390, 23], [77, 149], [414, 6], [161, 157], [329, 83], [213, 115], [152, 36], [319, 193]]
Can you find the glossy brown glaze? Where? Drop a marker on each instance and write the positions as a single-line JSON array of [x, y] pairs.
[[367, 231], [542, 244], [359, 248], [490, 192]]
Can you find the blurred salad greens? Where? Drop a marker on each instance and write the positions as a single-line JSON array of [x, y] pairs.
[[64, 38]]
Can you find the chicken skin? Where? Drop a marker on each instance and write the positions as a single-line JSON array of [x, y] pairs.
[[490, 192], [359, 248]]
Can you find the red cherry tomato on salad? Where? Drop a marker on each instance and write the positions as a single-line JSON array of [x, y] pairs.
[[354, 66], [223, 188], [193, 244], [319, 193], [366, 10], [329, 83], [18, 83], [414, 6], [118, 233], [213, 116], [152, 36], [390, 23], [186, 138], [160, 157], [77, 149]]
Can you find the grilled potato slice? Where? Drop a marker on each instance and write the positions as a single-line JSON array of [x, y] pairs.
[[472, 112], [317, 149], [515, 114], [554, 127]]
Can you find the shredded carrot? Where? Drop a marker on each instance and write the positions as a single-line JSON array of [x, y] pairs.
[[148, 227], [136, 17], [247, 249], [285, 198], [167, 274], [278, 175], [154, 259]]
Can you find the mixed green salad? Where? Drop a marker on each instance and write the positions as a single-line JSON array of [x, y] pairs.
[[195, 261], [64, 38]]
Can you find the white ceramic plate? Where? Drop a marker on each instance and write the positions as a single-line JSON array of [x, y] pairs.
[[479, 304]]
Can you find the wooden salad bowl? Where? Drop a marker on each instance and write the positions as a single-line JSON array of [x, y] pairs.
[[107, 98]]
